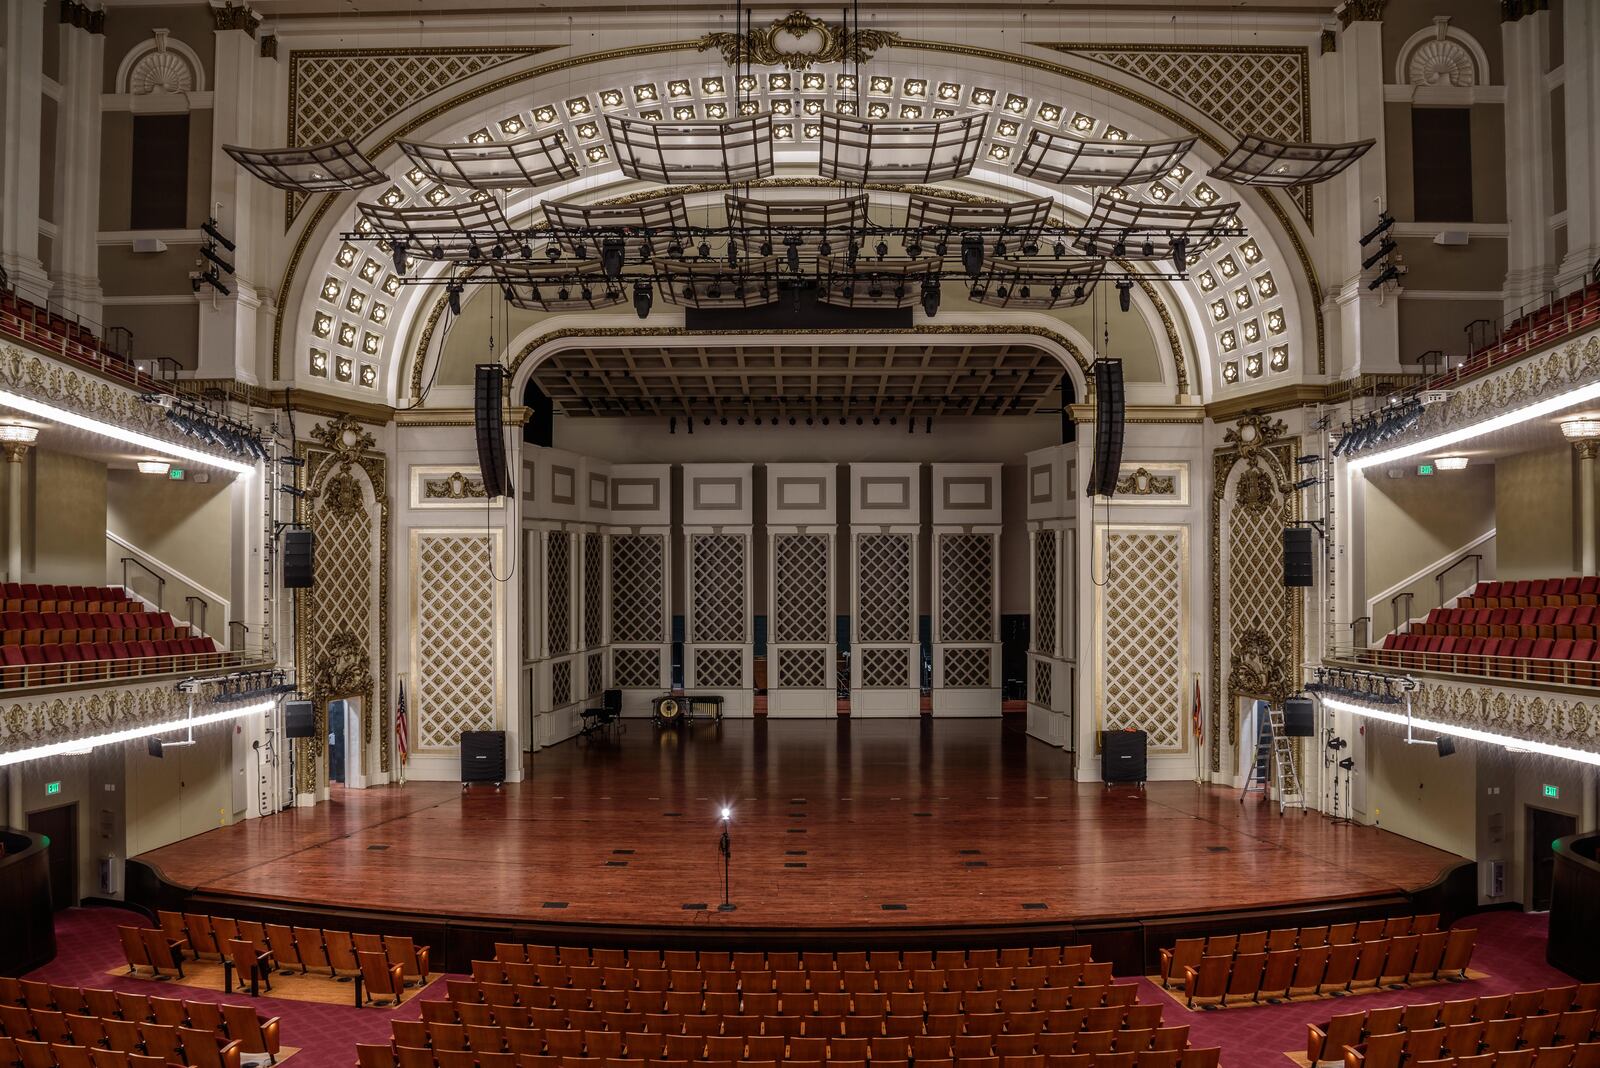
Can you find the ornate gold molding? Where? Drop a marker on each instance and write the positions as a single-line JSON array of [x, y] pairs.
[[229, 17], [1141, 482], [813, 41]]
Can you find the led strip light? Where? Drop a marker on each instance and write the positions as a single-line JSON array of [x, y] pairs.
[[132, 437], [1560, 752], [1488, 426], [84, 745]]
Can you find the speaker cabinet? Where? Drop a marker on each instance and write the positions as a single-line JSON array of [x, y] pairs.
[[1109, 411], [483, 757], [1122, 756], [1299, 718], [1297, 556], [298, 548], [299, 719], [488, 398]]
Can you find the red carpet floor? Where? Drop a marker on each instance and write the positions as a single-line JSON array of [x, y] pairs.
[[1510, 949]]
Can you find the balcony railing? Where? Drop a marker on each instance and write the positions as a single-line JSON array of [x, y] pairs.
[[1495, 343], [1513, 670], [18, 680]]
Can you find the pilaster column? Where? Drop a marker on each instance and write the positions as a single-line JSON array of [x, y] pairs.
[[1586, 454], [16, 454], [76, 250], [1530, 196], [21, 85], [1581, 49]]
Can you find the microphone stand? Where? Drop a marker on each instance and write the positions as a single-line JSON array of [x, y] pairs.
[[725, 847]]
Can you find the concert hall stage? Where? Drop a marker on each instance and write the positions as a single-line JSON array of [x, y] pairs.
[[868, 832]]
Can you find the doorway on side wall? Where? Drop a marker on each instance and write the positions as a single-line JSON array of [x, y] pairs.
[[60, 826], [1544, 827], [338, 742]]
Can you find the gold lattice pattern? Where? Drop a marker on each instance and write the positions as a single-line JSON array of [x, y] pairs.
[[343, 584], [1256, 595], [802, 669], [561, 683], [885, 667], [717, 576], [719, 667], [455, 638], [636, 563], [1044, 592], [800, 577], [966, 587], [967, 668], [636, 669], [1143, 648], [593, 591], [1042, 682], [557, 585], [883, 588]]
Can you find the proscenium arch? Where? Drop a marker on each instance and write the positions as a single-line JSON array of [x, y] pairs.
[[1304, 300]]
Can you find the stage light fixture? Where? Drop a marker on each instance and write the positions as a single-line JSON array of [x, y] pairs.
[[1385, 220], [1125, 294], [1180, 253], [643, 297], [452, 293], [1386, 247], [972, 255], [399, 250]]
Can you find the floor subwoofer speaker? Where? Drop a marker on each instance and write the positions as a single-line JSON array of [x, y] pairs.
[[1122, 756], [483, 757]]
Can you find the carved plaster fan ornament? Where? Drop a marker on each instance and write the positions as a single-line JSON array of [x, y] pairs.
[[798, 41], [160, 70]]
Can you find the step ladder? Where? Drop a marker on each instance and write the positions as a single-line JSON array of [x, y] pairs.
[[1274, 758]]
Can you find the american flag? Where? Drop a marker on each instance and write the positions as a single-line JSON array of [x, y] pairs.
[[401, 738]]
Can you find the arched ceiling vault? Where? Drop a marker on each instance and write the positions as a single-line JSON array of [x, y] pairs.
[[1262, 291]]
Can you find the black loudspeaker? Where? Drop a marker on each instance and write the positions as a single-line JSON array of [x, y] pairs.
[[539, 430], [1447, 745], [1109, 410], [1069, 397], [299, 721], [297, 555], [1297, 554], [1299, 718], [1122, 756], [483, 757], [488, 398]]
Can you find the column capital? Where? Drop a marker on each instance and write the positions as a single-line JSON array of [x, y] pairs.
[[1587, 449], [1361, 11], [84, 17], [16, 451], [1512, 10], [226, 16]]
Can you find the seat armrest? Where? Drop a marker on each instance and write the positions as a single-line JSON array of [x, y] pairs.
[[422, 960]]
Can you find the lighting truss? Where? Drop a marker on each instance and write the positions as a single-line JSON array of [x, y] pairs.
[[1130, 229], [647, 228], [558, 287], [1283, 164], [726, 150], [447, 232], [871, 283], [1033, 286], [714, 284], [891, 150], [530, 162], [795, 229], [1066, 160], [336, 167], [1019, 222]]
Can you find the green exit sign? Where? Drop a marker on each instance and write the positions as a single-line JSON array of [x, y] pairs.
[[175, 473], [1424, 469], [1552, 791], [53, 788]]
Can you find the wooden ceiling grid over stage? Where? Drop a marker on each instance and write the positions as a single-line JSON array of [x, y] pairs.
[[965, 823]]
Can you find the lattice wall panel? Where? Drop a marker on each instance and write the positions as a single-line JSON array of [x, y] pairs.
[[966, 588], [883, 668], [1142, 652], [637, 561], [1042, 683], [967, 668], [1044, 592], [719, 667], [455, 638], [594, 675], [636, 669], [803, 669], [717, 583], [558, 587], [801, 578], [561, 684], [883, 588], [594, 585]]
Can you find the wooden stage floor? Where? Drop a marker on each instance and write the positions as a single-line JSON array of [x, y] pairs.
[[961, 822]]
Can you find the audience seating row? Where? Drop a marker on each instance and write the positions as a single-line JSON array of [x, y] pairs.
[[680, 980], [235, 1021], [54, 332], [1327, 1041], [1187, 951], [1546, 325], [169, 1029], [1562, 660], [843, 960], [1567, 621], [302, 948], [46, 665], [1284, 973], [180, 1047], [1427, 1048], [1586, 1055], [1536, 593], [122, 624], [41, 591]]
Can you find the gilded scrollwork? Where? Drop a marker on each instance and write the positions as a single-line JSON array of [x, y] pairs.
[[49, 718], [1142, 482], [798, 41], [456, 486]]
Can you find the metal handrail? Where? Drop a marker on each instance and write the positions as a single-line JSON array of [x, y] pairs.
[[1477, 572], [88, 674], [1365, 623], [1394, 607], [161, 583], [191, 600], [244, 634], [1505, 669]]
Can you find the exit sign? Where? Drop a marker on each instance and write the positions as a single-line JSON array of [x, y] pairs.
[[1424, 469], [53, 788], [1552, 791], [175, 473]]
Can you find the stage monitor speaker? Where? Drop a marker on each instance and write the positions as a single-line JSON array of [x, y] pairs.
[[1109, 411], [299, 720], [483, 757], [1122, 756], [488, 399], [298, 549], [1299, 718], [1297, 556]]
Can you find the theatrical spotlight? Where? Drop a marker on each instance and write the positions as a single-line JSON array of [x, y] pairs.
[[209, 228], [1385, 220], [643, 297], [452, 293], [612, 253], [399, 257], [1390, 273], [209, 252], [1387, 246], [1125, 294], [972, 255], [930, 296]]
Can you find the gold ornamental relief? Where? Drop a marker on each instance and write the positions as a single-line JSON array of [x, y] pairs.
[[1141, 482], [797, 41], [454, 487]]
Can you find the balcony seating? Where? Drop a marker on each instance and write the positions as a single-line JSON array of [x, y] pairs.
[[1543, 326], [55, 333], [1535, 593], [50, 635], [1564, 1014], [1189, 951]]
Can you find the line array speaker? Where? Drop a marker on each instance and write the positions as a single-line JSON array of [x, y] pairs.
[[1109, 411], [1297, 556], [298, 547], [488, 397]]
